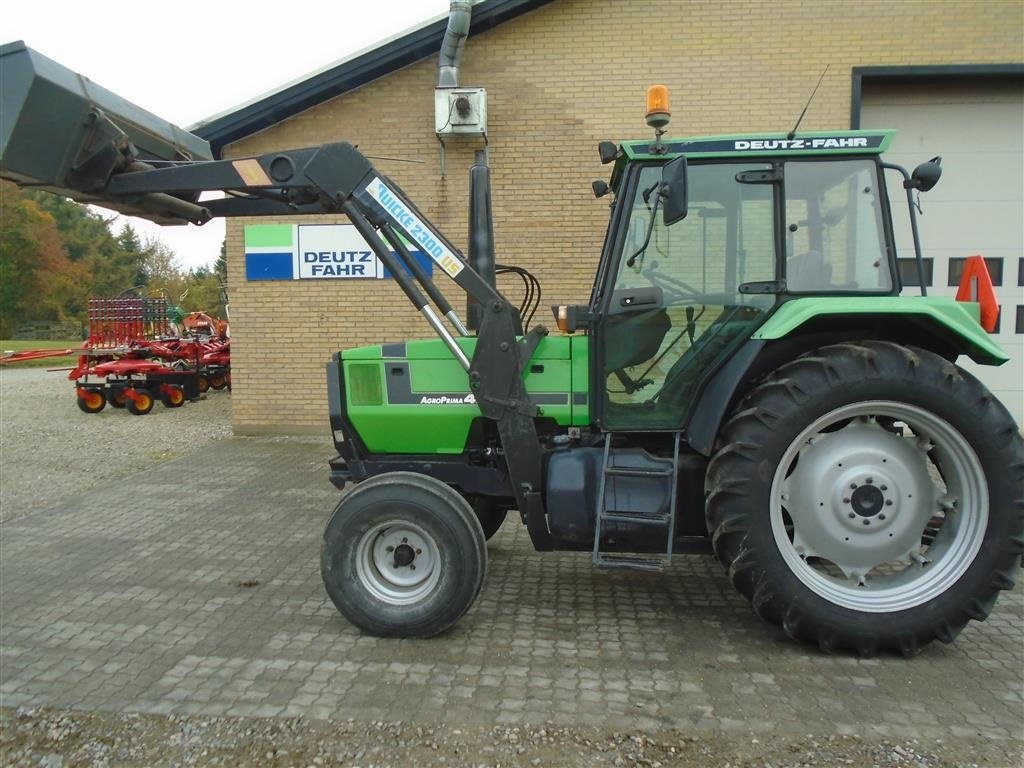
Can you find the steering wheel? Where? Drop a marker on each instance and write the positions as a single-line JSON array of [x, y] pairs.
[[675, 288]]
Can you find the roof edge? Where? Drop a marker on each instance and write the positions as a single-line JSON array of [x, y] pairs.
[[350, 73], [875, 141]]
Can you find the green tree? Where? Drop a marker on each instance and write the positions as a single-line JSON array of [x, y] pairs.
[[22, 226], [113, 264], [162, 274], [55, 254], [128, 239], [220, 267], [37, 279], [204, 293]]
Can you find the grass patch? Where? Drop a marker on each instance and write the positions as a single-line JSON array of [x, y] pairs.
[[19, 345]]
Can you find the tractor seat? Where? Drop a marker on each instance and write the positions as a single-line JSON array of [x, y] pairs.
[[634, 338], [808, 272]]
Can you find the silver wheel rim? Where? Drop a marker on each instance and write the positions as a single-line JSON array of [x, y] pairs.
[[879, 506], [398, 562]]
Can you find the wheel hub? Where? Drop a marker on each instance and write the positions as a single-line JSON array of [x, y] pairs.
[[867, 501], [404, 555], [859, 496], [871, 494], [860, 490], [398, 562]]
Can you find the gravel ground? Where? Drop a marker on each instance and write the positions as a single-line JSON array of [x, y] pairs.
[[55, 740], [50, 450]]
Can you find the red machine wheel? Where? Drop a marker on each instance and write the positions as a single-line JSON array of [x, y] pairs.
[[117, 398], [142, 403], [202, 383], [91, 400], [173, 396], [218, 381]]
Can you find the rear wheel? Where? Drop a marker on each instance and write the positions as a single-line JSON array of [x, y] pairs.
[[868, 497], [92, 400], [117, 398], [218, 381], [142, 403], [403, 555]]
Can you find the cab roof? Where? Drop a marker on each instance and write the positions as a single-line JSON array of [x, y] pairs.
[[872, 142], [812, 143]]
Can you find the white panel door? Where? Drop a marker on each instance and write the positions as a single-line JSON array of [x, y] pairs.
[[977, 206]]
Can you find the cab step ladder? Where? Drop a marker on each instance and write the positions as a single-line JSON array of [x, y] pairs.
[[668, 474]]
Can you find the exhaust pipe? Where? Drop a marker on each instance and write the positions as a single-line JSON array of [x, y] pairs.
[[481, 233], [451, 47]]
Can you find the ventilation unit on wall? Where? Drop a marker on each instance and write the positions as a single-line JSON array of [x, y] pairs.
[[460, 112]]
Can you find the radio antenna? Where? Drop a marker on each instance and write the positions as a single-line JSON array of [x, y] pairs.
[[792, 133]]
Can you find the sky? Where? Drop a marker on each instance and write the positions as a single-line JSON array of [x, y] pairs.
[[186, 61]]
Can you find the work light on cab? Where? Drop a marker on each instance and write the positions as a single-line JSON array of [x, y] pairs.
[[658, 112]]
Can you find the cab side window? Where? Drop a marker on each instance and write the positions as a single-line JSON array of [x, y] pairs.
[[834, 236]]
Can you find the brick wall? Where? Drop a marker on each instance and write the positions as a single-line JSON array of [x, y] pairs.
[[558, 80]]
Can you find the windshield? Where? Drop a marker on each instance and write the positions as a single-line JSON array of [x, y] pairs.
[[726, 240]]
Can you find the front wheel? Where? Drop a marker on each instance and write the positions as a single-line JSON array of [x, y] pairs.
[[173, 396], [141, 404], [868, 496], [403, 556], [91, 400]]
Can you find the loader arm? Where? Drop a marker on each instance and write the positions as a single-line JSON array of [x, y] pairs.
[[338, 178], [332, 178]]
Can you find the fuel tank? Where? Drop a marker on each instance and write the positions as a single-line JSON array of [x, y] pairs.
[[573, 483]]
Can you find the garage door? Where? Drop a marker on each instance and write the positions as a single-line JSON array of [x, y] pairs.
[[978, 206]]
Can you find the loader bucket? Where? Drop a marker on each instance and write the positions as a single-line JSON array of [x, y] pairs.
[[61, 132]]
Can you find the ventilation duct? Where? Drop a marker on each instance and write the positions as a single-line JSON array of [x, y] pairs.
[[451, 47]]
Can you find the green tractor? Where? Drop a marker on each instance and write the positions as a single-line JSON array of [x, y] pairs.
[[745, 379]]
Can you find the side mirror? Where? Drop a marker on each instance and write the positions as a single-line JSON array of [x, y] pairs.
[[926, 175], [608, 151], [673, 191], [600, 188]]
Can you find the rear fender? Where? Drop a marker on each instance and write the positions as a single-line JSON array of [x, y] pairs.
[[952, 324], [939, 324]]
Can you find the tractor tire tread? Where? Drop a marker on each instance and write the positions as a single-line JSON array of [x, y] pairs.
[[364, 612], [738, 459]]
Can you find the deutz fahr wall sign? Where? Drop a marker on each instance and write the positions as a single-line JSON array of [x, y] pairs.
[[313, 251]]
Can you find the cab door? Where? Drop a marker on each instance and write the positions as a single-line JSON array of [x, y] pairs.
[[670, 310]]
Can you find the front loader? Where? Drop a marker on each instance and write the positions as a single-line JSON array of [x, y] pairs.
[[745, 379]]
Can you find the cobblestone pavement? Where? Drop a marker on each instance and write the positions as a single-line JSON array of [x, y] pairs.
[[193, 588]]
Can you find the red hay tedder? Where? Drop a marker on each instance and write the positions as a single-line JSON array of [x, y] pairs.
[[136, 355]]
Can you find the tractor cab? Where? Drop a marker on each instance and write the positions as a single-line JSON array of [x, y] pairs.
[[707, 236]]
